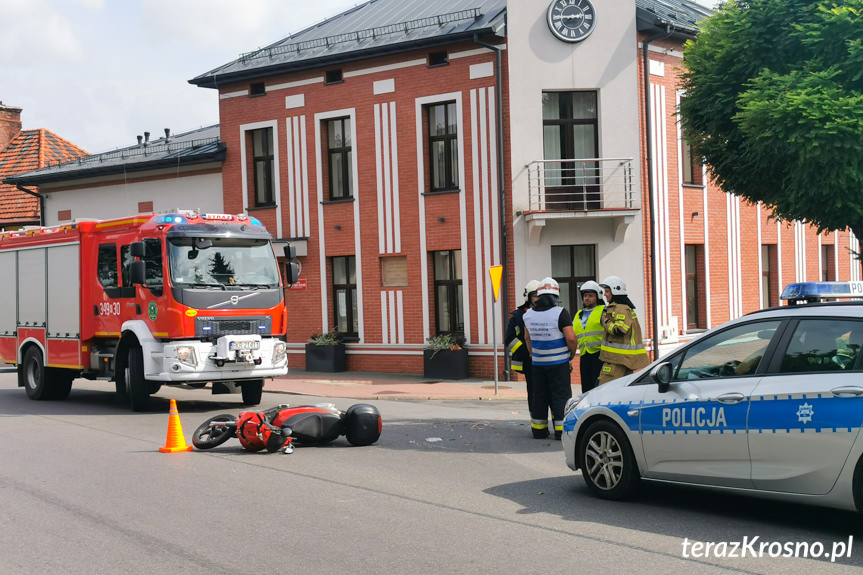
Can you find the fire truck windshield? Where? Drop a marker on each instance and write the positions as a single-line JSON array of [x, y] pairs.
[[220, 262]]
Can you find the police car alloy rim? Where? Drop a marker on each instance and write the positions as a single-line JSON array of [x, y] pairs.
[[604, 460]]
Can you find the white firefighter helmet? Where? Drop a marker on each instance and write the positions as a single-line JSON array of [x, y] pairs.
[[531, 287], [615, 284], [591, 285], [548, 285]]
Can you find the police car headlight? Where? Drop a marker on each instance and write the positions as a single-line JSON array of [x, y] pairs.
[[571, 403], [280, 351], [186, 354]]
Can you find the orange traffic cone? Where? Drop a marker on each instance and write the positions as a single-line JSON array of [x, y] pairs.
[[175, 442]]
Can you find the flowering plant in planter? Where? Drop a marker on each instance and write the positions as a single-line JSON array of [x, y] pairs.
[[445, 357], [326, 352]]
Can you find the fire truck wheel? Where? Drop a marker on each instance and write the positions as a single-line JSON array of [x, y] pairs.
[[252, 391], [33, 368], [136, 385], [60, 383]]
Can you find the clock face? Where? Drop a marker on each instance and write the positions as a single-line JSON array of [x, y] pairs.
[[571, 20]]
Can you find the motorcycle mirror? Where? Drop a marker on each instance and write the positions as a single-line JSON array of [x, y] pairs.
[[287, 431]]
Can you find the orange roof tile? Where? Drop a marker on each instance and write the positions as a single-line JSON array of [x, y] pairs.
[[30, 150]]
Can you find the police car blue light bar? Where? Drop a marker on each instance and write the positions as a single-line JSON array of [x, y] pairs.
[[813, 291]]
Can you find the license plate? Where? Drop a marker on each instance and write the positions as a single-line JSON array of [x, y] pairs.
[[244, 345]]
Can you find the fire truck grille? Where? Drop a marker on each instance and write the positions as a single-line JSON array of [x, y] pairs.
[[213, 328]]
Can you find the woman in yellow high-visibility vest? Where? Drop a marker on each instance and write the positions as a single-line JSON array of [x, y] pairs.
[[587, 325]]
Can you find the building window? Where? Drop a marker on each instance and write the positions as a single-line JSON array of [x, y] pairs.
[[449, 312], [571, 266], [345, 295], [769, 279], [333, 76], [145, 207], [340, 155], [696, 309], [257, 89], [262, 158], [570, 128], [443, 146], [438, 58], [827, 264], [64, 215], [692, 172]]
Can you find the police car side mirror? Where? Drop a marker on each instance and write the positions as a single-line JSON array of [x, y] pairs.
[[661, 374]]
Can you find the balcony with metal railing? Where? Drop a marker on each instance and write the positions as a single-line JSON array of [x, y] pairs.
[[581, 188]]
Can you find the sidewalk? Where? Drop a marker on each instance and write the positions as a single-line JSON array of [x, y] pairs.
[[365, 385]]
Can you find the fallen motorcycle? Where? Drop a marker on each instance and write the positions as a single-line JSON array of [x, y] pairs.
[[278, 427]]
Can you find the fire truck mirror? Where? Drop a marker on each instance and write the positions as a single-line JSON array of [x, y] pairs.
[[293, 273], [139, 272], [290, 251], [137, 249], [203, 244]]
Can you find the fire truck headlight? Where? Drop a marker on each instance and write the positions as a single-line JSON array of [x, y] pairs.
[[280, 351], [186, 354]]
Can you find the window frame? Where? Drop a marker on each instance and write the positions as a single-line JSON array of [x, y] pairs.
[[351, 297], [450, 144], [573, 282], [346, 154], [453, 287], [263, 192]]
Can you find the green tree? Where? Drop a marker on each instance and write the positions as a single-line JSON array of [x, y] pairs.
[[221, 270], [774, 105]]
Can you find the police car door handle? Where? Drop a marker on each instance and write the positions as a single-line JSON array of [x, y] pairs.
[[849, 391], [731, 398]]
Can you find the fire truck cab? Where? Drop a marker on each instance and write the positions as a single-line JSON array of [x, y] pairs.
[[144, 301]]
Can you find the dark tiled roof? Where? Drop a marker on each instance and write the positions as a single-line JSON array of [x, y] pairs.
[[371, 29], [684, 15], [194, 147], [29, 150]]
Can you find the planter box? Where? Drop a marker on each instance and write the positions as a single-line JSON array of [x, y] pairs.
[[446, 364], [329, 358]]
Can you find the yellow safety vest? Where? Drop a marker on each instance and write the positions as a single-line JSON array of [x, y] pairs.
[[590, 336]]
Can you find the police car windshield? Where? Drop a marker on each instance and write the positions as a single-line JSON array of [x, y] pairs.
[[220, 262]]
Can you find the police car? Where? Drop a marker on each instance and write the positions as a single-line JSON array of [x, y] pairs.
[[770, 403]]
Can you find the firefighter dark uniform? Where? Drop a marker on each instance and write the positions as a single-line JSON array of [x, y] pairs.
[[517, 348], [622, 350], [588, 329], [550, 354]]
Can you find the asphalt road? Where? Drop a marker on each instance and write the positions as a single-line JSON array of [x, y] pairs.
[[451, 487]]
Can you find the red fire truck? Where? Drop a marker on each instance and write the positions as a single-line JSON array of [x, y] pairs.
[[144, 301]]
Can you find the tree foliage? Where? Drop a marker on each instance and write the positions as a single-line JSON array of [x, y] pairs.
[[774, 105]]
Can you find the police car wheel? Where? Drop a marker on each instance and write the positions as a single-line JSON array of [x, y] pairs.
[[606, 461]]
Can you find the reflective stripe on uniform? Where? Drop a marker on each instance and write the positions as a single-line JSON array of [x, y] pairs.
[[513, 345], [538, 424], [558, 424], [516, 365], [623, 349]]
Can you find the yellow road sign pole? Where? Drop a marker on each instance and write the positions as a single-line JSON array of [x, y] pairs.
[[495, 272]]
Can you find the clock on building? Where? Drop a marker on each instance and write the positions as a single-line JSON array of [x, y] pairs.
[[571, 20]]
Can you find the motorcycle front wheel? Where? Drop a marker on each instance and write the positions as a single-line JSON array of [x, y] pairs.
[[208, 435]]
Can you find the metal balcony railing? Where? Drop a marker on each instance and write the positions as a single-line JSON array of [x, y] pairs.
[[581, 185]]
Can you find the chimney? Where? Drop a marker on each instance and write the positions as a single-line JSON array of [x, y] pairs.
[[10, 124], [167, 135], [146, 138], [140, 139]]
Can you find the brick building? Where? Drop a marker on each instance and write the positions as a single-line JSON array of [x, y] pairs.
[[405, 146]]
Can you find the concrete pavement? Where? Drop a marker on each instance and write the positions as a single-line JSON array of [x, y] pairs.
[[365, 385]]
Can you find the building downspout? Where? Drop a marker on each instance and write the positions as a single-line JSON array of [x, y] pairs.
[[650, 191], [498, 82], [41, 202]]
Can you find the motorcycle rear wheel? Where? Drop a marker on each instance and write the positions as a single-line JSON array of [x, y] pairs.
[[207, 436]]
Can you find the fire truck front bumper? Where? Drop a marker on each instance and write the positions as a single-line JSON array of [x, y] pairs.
[[231, 357]]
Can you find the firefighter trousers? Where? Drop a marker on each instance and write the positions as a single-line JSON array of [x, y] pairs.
[[551, 390], [589, 366]]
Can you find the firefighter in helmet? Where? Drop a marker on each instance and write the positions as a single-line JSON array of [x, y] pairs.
[[514, 338], [552, 345], [588, 331], [622, 349]]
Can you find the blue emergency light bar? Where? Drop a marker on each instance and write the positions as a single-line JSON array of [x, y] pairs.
[[814, 291]]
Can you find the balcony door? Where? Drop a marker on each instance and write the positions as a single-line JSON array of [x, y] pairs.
[[571, 146]]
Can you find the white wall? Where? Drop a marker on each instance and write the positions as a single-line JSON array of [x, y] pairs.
[[101, 201], [607, 61]]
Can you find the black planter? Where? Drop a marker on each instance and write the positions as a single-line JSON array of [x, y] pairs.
[[329, 358], [445, 364]]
